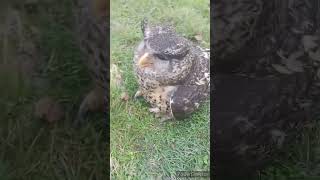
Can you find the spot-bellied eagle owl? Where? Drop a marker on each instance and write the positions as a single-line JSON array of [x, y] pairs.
[[173, 73]]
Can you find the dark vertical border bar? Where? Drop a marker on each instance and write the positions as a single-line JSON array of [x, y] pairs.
[[107, 114], [212, 164]]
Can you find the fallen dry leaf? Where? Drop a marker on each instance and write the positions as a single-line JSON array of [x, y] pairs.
[[198, 37], [116, 77], [49, 110], [314, 55], [308, 42], [281, 69], [124, 96], [94, 99]]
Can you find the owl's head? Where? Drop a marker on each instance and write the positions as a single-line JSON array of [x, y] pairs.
[[161, 43]]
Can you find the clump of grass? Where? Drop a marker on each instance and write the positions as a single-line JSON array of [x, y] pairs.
[[65, 65], [302, 157]]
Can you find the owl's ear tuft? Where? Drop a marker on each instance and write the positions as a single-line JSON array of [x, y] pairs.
[[145, 28]]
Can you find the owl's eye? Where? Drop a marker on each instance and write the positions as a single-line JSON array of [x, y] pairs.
[[178, 46], [160, 56]]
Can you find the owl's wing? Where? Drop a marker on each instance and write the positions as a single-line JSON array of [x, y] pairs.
[[195, 89], [186, 99]]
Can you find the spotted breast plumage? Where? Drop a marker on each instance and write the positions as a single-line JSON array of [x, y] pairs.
[[172, 72]]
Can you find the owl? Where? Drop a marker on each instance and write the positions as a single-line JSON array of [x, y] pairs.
[[173, 73], [91, 28], [234, 27]]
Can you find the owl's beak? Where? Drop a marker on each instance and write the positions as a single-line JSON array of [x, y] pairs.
[[145, 60]]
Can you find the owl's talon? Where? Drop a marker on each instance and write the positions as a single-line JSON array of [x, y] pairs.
[[154, 110], [165, 118], [157, 115], [138, 94], [82, 114]]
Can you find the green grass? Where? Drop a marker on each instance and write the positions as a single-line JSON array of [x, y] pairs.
[[31, 149], [300, 159], [141, 147]]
